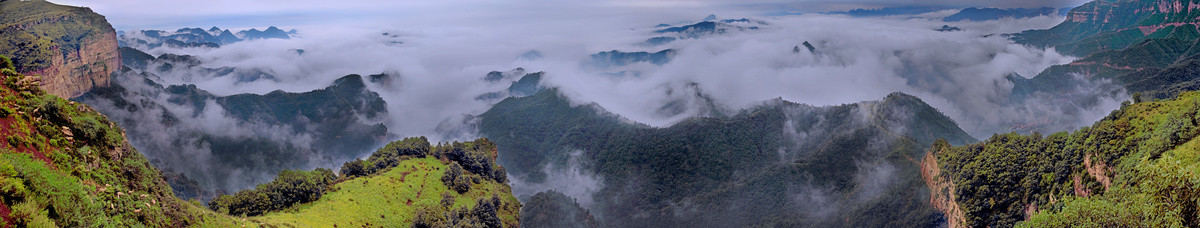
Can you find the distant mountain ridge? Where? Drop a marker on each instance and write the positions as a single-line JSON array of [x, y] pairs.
[[1144, 46], [987, 14], [1110, 25], [197, 37], [965, 14], [708, 27]]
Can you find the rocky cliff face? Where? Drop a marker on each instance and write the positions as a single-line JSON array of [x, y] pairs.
[[73, 49], [74, 72], [941, 191], [1112, 25]]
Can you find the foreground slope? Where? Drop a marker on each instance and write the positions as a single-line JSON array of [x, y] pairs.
[[64, 164], [781, 164], [1135, 168]]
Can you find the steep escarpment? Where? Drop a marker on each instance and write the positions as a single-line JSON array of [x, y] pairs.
[[72, 48], [1136, 167], [1144, 47], [941, 189], [1108, 25]]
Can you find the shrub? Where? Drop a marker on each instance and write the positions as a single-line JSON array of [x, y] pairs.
[[447, 199], [290, 188], [6, 63], [485, 211], [482, 215], [353, 169], [455, 179]]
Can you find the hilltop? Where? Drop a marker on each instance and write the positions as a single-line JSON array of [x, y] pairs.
[[760, 167]]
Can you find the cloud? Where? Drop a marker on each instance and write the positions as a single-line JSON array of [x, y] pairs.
[[180, 137], [569, 178], [436, 58]]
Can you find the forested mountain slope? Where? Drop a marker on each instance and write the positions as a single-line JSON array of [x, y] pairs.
[[1147, 47], [64, 164], [849, 165], [1135, 168]]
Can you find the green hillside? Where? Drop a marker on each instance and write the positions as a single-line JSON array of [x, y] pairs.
[[32, 31], [406, 183], [744, 170], [338, 117], [1112, 25], [1135, 168], [62, 164], [1144, 46]]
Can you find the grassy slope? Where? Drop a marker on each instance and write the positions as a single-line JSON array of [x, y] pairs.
[[63, 164], [368, 201]]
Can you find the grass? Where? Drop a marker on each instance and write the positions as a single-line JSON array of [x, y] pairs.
[[370, 201]]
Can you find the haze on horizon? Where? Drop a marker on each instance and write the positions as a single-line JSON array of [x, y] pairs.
[[151, 14]]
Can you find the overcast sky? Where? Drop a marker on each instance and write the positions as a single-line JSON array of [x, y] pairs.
[[160, 14]]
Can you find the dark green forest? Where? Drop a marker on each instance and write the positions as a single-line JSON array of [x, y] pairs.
[[750, 169], [1135, 168]]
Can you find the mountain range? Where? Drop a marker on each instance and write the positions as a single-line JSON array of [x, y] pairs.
[[751, 169], [96, 136], [197, 37]]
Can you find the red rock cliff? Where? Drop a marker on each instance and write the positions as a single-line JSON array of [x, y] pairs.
[[73, 49], [82, 69]]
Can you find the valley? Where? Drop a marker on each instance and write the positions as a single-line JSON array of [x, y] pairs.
[[559, 114]]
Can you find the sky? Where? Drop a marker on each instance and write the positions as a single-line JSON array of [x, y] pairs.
[[158, 14]]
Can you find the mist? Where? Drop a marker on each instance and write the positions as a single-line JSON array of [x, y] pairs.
[[435, 76], [960, 73]]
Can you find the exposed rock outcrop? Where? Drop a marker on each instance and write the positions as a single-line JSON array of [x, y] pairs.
[[73, 50], [79, 70], [1097, 169], [941, 191]]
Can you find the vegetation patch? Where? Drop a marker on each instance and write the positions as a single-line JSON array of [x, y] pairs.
[[1148, 151]]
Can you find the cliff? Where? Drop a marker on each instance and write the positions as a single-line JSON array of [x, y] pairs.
[[73, 49], [941, 189]]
